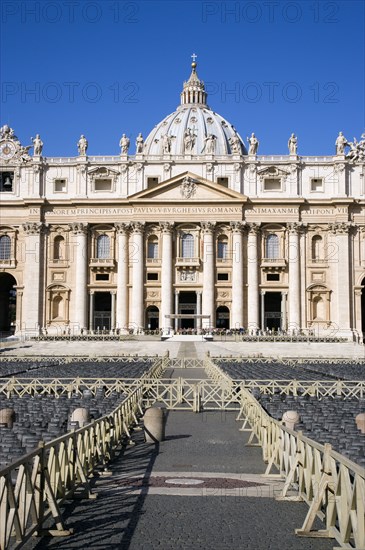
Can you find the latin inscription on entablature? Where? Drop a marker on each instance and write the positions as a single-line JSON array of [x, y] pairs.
[[145, 210], [272, 210]]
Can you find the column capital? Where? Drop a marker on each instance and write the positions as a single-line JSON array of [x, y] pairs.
[[237, 227], [122, 228], [294, 228], [253, 228], [78, 228], [138, 227], [207, 227], [340, 228], [166, 227], [33, 228]]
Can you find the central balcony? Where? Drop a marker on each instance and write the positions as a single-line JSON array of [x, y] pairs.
[[182, 262], [97, 263], [273, 263]]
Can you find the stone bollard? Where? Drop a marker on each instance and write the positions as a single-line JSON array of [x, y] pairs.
[[360, 422], [82, 416], [7, 417], [290, 418], [154, 421]]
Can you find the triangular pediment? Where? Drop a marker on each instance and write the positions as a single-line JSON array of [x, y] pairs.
[[188, 187]]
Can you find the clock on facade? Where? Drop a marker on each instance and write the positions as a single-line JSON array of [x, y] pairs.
[[7, 150]]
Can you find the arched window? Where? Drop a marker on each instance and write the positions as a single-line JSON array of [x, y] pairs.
[[103, 247], [272, 246], [317, 249], [152, 247], [5, 247], [222, 248], [59, 248], [187, 246]]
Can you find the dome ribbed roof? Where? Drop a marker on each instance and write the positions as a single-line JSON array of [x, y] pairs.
[[193, 128]]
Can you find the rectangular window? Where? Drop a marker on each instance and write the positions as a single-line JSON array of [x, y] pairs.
[[273, 277], [6, 182], [152, 276], [316, 184], [272, 184], [103, 185], [60, 186], [223, 181], [102, 277], [151, 182], [222, 276]]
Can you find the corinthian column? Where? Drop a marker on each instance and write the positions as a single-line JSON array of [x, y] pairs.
[[32, 318], [137, 310], [122, 277], [166, 274], [343, 283], [294, 278], [79, 231], [237, 275], [208, 274], [252, 278]]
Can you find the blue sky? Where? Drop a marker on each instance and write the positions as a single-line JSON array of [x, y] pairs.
[[103, 68]]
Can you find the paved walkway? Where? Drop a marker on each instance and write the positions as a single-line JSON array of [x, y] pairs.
[[155, 346], [201, 488]]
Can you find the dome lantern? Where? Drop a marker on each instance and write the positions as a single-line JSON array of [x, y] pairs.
[[194, 90]]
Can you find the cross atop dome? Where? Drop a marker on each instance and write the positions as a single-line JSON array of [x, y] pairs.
[[194, 89]]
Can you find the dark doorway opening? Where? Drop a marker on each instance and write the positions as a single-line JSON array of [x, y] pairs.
[[363, 309], [187, 306], [7, 303], [102, 311], [222, 317], [152, 316], [272, 308]]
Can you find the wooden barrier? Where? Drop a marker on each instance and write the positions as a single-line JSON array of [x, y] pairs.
[[331, 485], [33, 488]]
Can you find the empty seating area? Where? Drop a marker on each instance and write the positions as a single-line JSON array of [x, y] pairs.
[[55, 368], [328, 420], [277, 370], [45, 418]]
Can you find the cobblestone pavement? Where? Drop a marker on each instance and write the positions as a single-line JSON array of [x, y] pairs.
[[196, 445]]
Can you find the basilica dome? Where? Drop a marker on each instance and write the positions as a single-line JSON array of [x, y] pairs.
[[194, 129]]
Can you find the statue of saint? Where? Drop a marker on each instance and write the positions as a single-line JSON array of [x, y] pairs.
[[189, 140], [293, 145], [235, 143], [341, 142], [37, 145], [124, 144], [139, 143], [209, 144], [82, 145], [166, 143], [253, 144]]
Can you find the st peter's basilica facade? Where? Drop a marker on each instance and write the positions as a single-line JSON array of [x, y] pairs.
[[188, 229]]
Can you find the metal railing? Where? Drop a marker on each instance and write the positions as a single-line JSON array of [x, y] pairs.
[[331, 485], [33, 488]]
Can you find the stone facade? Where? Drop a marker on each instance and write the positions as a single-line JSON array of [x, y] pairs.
[[189, 232]]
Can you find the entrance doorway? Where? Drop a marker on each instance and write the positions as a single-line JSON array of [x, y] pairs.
[[7, 303], [187, 306], [102, 311], [363, 309], [222, 317], [272, 311], [152, 315]]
